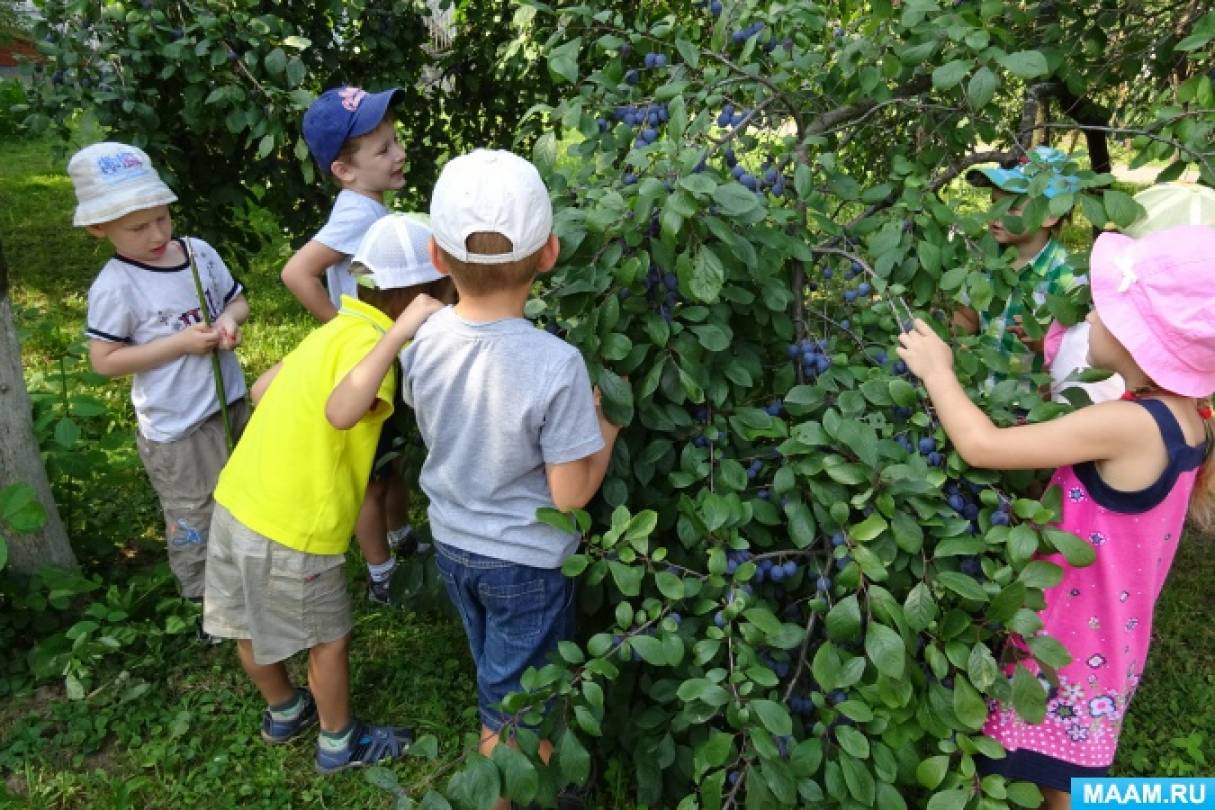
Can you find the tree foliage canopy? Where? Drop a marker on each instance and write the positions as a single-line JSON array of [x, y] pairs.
[[795, 592]]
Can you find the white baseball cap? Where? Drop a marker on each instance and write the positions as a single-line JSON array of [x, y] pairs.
[[396, 253], [490, 191], [112, 180], [1169, 205]]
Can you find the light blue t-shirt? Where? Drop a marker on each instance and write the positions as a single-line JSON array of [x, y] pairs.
[[495, 402], [352, 216]]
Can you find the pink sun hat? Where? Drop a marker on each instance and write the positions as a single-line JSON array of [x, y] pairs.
[[1156, 295]]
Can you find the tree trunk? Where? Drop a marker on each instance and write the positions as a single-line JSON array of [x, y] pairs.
[[20, 461]]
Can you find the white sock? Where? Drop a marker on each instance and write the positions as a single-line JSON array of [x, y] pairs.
[[383, 570], [397, 536]]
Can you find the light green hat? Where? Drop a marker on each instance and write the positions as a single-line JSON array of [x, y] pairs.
[[1168, 205]]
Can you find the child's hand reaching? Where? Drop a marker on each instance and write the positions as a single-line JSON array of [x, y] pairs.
[[419, 309], [924, 352], [229, 332]]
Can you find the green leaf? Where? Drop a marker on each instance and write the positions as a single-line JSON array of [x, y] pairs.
[[962, 585], [1077, 552], [1026, 64], [67, 433], [434, 801], [844, 619], [627, 577], [276, 62], [852, 741], [1122, 209], [650, 649], [3, 552], [1024, 794], [868, 529], [424, 747], [477, 784], [885, 649], [708, 275], [563, 61], [930, 772], [982, 667], [920, 608], [1028, 696], [903, 393], [669, 585], [735, 199], [20, 509], [573, 759], [954, 799], [712, 337], [1041, 574], [968, 704], [518, 773], [950, 74], [981, 88], [382, 777], [774, 716], [296, 71], [689, 52], [704, 690]]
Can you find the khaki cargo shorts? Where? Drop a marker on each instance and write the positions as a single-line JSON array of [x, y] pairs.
[[184, 473], [284, 600]]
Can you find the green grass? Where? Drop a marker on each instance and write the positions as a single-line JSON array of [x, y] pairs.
[[191, 740]]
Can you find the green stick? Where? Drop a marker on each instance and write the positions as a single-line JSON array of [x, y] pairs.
[[216, 372]]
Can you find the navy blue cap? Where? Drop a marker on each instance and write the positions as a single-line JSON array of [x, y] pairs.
[[342, 113]]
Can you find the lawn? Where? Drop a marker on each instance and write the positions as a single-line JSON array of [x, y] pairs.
[[187, 737]]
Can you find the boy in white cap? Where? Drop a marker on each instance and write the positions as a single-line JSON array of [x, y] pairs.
[[145, 319], [351, 135], [511, 425], [287, 501]]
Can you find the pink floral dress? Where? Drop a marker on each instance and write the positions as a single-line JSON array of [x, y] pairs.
[[1102, 613]]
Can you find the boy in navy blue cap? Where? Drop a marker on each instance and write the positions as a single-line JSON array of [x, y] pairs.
[[351, 135]]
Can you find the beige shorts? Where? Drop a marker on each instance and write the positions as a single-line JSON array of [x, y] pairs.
[[284, 600], [184, 473]]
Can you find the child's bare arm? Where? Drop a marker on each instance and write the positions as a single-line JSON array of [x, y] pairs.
[[358, 392], [574, 483], [263, 382], [302, 275], [1099, 432], [120, 359]]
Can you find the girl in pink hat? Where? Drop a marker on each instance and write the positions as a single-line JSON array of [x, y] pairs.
[[1129, 471]]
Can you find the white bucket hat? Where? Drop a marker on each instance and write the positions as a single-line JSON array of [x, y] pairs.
[[112, 180], [490, 191], [396, 253]]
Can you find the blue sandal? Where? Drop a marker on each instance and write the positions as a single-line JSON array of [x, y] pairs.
[[368, 745], [281, 731]]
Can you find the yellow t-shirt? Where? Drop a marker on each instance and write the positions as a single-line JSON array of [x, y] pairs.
[[293, 477]]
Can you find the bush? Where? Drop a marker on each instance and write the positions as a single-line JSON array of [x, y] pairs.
[[797, 594], [12, 95]]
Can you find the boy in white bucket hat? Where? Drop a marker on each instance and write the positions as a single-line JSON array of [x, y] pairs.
[[145, 319], [287, 502]]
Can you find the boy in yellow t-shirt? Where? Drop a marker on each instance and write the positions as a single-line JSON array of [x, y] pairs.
[[287, 502]]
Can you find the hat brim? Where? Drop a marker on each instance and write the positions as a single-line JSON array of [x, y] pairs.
[[1121, 315], [99, 212], [1009, 180]]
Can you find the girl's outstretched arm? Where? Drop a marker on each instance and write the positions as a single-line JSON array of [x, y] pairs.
[[1095, 433]]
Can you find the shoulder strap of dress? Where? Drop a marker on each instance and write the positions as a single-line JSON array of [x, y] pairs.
[[1170, 429]]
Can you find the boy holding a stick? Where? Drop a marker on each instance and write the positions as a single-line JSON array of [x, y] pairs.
[[167, 311]]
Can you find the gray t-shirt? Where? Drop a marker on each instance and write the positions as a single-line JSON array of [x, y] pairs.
[[352, 216], [495, 402]]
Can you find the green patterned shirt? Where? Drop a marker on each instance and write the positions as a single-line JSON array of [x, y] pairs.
[[1049, 274]]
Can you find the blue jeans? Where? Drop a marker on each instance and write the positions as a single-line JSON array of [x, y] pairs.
[[513, 615]]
